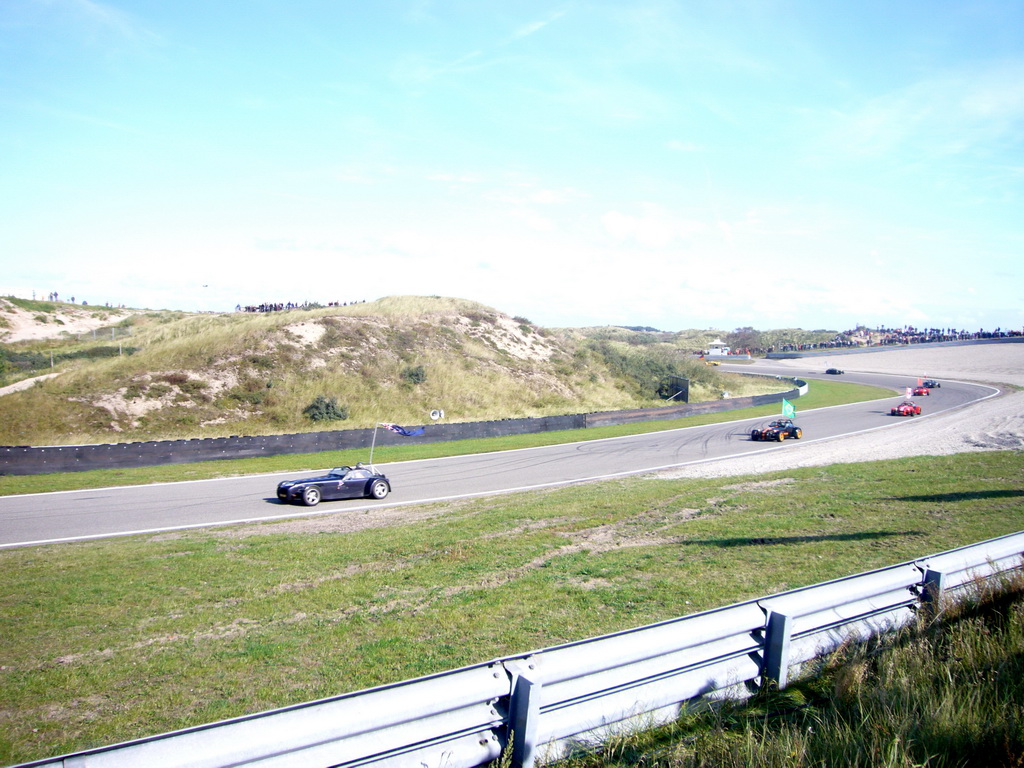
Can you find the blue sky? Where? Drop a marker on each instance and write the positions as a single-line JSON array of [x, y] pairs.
[[719, 164]]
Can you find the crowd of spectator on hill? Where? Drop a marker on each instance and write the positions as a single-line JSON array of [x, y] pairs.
[[54, 296], [882, 336], [911, 335], [284, 306], [877, 337]]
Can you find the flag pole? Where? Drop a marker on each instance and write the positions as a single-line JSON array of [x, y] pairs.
[[373, 442]]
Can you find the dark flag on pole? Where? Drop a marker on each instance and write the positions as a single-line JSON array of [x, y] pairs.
[[403, 431]]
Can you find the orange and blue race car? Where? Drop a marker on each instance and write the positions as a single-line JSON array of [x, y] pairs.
[[778, 430]]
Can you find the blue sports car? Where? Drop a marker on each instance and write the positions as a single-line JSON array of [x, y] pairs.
[[355, 482]]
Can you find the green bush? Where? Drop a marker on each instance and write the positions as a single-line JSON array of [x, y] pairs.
[[415, 375], [325, 409], [646, 368], [249, 398]]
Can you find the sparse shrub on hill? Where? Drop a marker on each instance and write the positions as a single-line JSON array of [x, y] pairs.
[[758, 341], [333, 336], [250, 391], [477, 318], [32, 305], [247, 397], [525, 326], [414, 375], [31, 362], [325, 409], [646, 367]]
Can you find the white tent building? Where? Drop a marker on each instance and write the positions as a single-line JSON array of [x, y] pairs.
[[718, 348]]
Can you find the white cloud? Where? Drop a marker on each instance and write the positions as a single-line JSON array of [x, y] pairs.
[[556, 196], [533, 220], [653, 227], [415, 70], [457, 178], [944, 115], [96, 23], [535, 26], [618, 225]]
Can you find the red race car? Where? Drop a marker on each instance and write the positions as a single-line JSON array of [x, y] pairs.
[[906, 408], [919, 391]]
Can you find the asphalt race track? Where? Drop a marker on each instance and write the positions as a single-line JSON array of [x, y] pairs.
[[99, 513]]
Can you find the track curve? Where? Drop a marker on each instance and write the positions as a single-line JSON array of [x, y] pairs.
[[98, 513]]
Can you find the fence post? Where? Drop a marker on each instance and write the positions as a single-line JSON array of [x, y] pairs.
[[776, 649], [525, 712]]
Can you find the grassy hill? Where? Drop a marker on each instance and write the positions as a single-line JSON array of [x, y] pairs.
[[125, 375]]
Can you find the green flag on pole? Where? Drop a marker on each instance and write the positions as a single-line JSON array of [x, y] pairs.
[[788, 410]]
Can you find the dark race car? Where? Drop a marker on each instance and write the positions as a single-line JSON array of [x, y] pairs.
[[780, 429], [921, 391], [834, 372], [906, 408], [931, 384], [340, 483]]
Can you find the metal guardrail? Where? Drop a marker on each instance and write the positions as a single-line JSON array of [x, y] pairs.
[[545, 703]]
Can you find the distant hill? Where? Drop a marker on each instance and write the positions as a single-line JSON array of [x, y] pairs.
[[131, 374]]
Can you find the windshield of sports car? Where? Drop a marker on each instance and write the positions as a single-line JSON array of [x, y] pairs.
[[339, 471]]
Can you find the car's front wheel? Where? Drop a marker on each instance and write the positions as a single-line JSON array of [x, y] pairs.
[[311, 496], [379, 489], [798, 434]]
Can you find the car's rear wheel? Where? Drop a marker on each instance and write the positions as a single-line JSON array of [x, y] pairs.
[[379, 489], [311, 496]]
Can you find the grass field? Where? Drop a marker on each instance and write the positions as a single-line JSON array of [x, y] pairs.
[[110, 640]]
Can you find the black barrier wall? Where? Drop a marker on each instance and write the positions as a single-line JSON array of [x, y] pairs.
[[29, 460]]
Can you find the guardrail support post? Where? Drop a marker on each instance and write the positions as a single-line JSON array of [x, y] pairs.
[[776, 649], [525, 712], [934, 588]]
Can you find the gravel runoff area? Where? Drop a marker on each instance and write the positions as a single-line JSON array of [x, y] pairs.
[[991, 425]]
